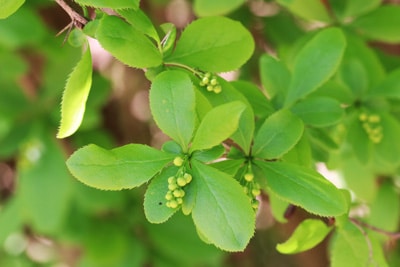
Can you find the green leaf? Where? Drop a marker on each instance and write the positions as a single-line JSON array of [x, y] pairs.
[[278, 134], [168, 41], [359, 141], [388, 149], [139, 20], [154, 200], [120, 168], [8, 7], [278, 207], [380, 24], [127, 44], [261, 106], [307, 235], [301, 153], [134, 4], [222, 212], [242, 137], [204, 8], [390, 87], [303, 187], [219, 124], [172, 103], [230, 166], [319, 111], [317, 61], [275, 78], [211, 44], [75, 96], [10, 218], [44, 184], [349, 247], [209, 154], [307, 9], [379, 208], [354, 8]]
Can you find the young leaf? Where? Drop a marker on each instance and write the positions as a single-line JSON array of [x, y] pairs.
[[211, 44], [222, 212], [8, 7], [139, 20], [120, 168], [172, 103], [127, 44], [209, 154], [275, 78], [278, 134], [354, 8], [380, 24], [204, 8], [307, 9], [319, 111], [349, 247], [317, 61], [75, 96], [303, 187], [307, 235], [230, 166], [390, 87], [134, 4], [219, 123], [155, 207]]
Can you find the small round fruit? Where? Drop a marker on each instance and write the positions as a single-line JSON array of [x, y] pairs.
[[178, 161], [249, 177]]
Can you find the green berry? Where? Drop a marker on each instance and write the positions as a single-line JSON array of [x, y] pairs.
[[363, 117], [205, 80], [188, 177], [208, 75], [249, 177], [178, 161], [168, 196], [255, 192], [217, 89], [255, 204], [173, 204], [171, 180], [202, 84], [181, 181], [374, 119], [172, 187], [210, 88], [245, 190], [179, 200], [213, 81]]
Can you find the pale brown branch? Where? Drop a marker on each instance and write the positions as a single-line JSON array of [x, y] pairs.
[[77, 20], [393, 235]]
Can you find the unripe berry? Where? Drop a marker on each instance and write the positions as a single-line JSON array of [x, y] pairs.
[[181, 181], [210, 88], [188, 177], [249, 177], [168, 196], [208, 75], [217, 89], [374, 119], [255, 204], [179, 200], [177, 193], [171, 180], [178, 161], [245, 190], [172, 187], [255, 192], [173, 204], [213, 81], [205, 80], [363, 117]]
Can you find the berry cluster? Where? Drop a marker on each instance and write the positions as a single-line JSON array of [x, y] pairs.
[[210, 82], [251, 188], [176, 185], [371, 125]]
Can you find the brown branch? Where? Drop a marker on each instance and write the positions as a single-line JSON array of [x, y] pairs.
[[77, 20], [393, 235]]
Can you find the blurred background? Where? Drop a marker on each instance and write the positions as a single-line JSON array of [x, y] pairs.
[[47, 218]]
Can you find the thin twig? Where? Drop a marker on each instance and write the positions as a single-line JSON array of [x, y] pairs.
[[77, 20], [393, 235]]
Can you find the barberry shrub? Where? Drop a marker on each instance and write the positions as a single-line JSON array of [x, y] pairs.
[[315, 87]]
